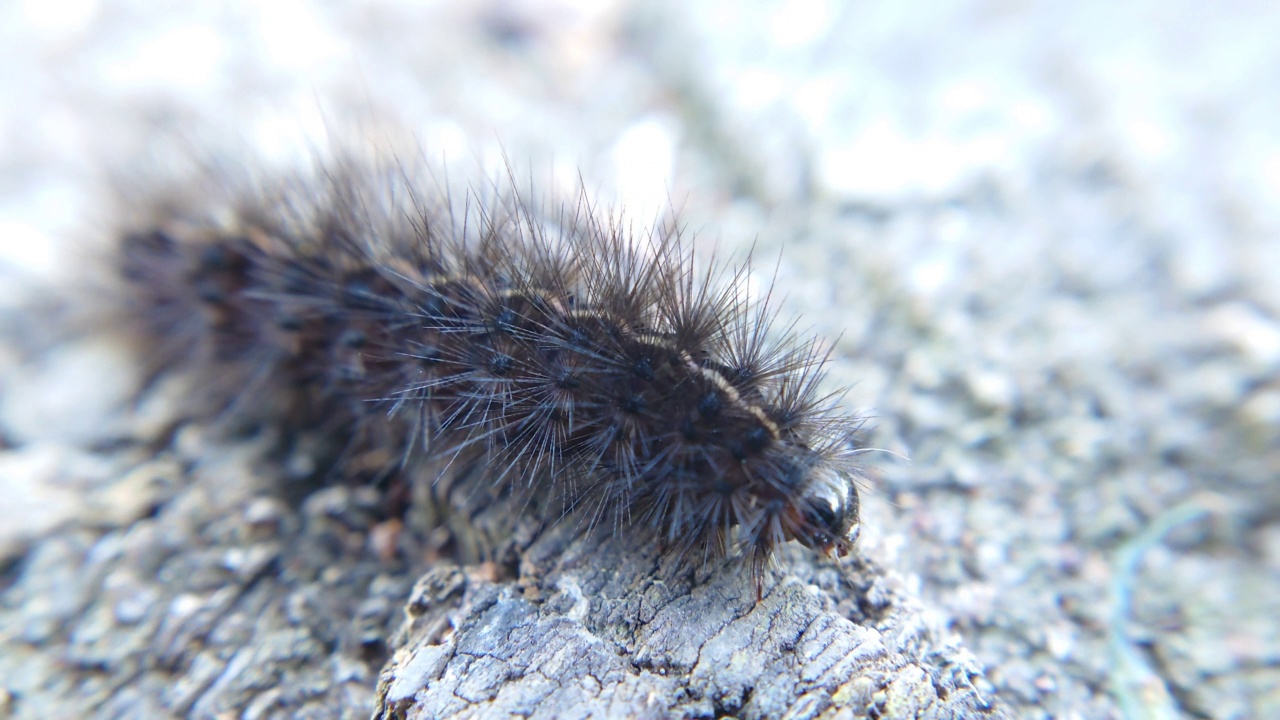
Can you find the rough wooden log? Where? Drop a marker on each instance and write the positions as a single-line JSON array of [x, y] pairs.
[[184, 584], [600, 629]]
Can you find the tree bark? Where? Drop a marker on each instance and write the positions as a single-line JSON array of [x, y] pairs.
[[601, 629], [184, 584]]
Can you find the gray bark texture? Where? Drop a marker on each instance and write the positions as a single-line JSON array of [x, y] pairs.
[[591, 630], [203, 594]]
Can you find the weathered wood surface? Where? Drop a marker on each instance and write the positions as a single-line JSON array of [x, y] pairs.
[[186, 586], [591, 629]]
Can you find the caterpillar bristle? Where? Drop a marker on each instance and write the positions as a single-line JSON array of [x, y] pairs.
[[531, 350]]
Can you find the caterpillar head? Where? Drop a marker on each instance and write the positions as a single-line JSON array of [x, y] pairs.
[[823, 516]]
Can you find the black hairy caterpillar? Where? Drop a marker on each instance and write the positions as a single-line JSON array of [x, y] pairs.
[[545, 350]]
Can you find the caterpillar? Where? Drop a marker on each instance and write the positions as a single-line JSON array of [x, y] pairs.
[[517, 347]]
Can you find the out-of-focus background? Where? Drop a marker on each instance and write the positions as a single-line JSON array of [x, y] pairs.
[[1044, 239]]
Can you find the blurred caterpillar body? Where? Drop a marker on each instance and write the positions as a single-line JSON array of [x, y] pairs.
[[563, 355]]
